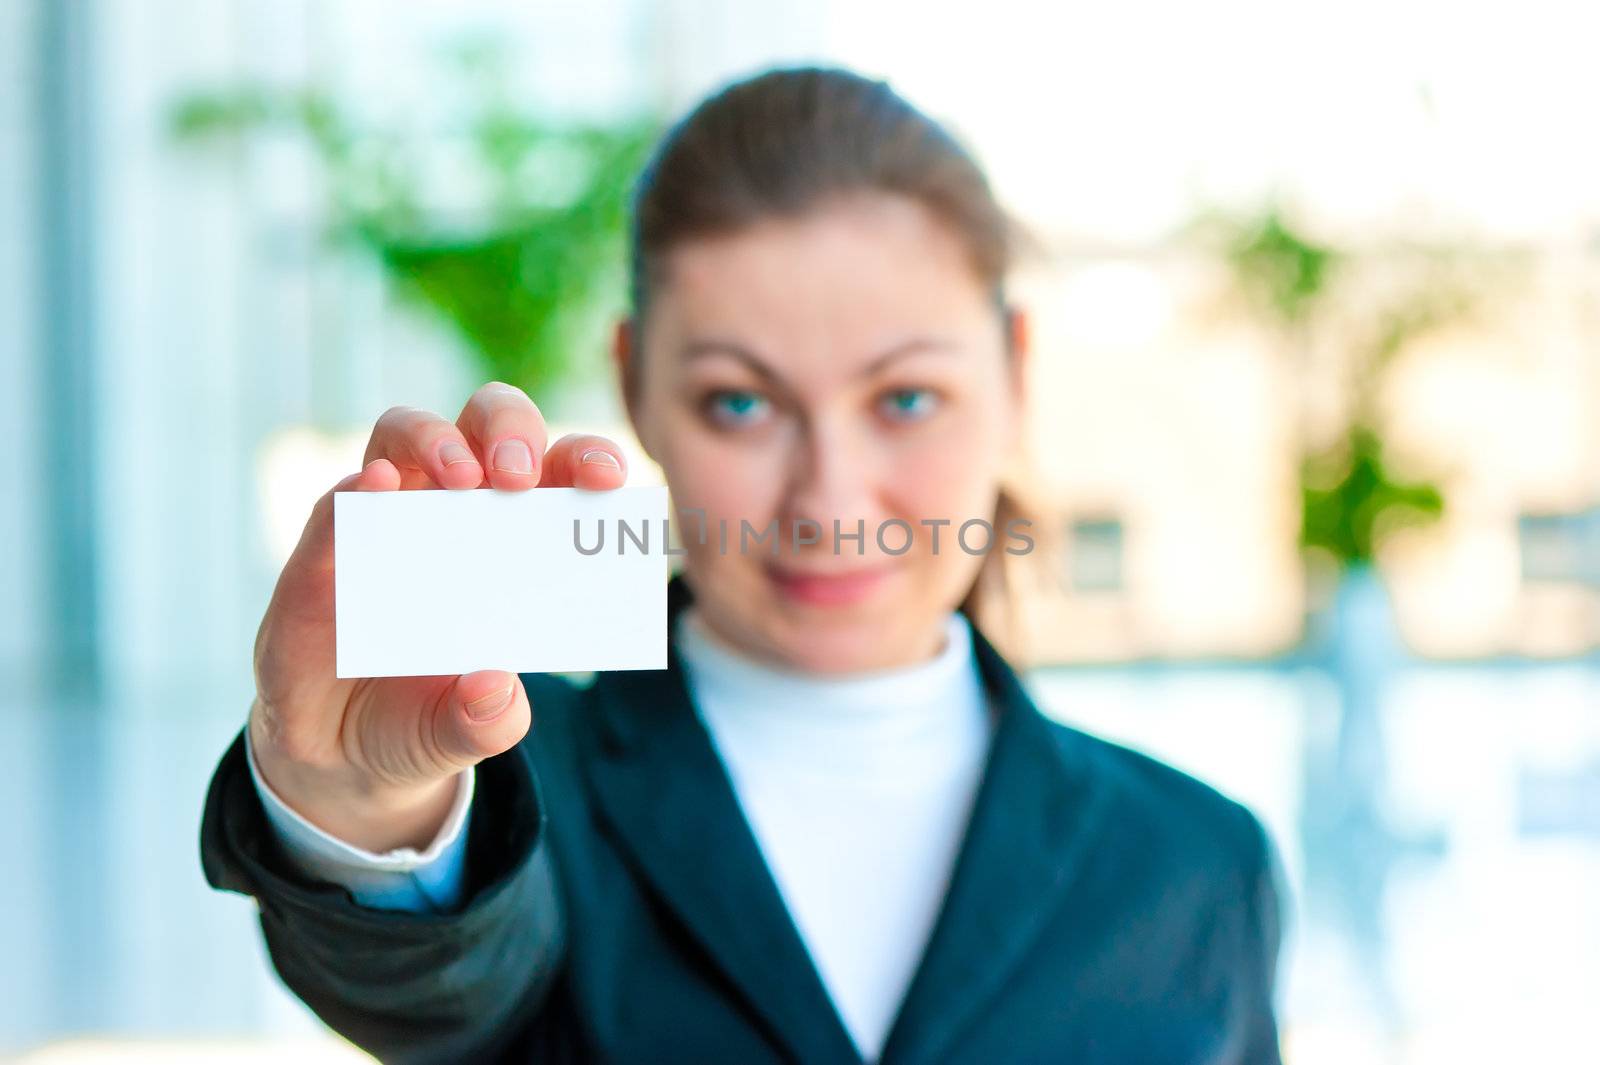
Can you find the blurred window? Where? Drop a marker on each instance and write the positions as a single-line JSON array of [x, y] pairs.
[[1094, 555]]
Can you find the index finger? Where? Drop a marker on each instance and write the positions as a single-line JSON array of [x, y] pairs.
[[426, 449]]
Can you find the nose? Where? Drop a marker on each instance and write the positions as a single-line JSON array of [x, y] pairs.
[[833, 476]]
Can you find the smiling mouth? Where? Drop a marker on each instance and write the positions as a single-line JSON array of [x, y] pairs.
[[828, 588]]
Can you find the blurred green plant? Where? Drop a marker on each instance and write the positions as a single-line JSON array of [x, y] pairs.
[[1371, 304], [526, 267], [1350, 498], [1282, 273]]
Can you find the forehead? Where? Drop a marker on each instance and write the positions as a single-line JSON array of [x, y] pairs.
[[851, 276]]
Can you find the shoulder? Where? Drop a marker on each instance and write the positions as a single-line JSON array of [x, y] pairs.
[[1151, 804], [1191, 874], [1170, 844]]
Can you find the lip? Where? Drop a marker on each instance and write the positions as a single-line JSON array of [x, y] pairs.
[[840, 588]]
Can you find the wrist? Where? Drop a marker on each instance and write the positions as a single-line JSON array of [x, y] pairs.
[[355, 807]]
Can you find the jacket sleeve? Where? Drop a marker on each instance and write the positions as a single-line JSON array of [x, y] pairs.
[[404, 986]]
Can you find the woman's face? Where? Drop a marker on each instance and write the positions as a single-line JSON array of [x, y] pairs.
[[843, 367]]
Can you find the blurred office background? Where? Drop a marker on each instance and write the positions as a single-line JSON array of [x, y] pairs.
[[1316, 294]]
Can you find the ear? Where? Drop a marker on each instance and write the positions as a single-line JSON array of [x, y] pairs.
[[622, 354], [1019, 343], [1019, 339], [625, 356]]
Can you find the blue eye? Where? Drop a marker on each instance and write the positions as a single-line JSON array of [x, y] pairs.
[[736, 406], [909, 404]]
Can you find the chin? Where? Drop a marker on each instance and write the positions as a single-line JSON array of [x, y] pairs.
[[840, 649], [849, 641]]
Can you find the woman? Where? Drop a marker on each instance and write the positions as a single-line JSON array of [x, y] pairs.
[[835, 829]]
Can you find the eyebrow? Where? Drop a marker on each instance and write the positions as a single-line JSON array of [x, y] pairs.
[[914, 346]]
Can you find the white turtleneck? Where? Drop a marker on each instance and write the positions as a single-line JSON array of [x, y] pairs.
[[857, 789]]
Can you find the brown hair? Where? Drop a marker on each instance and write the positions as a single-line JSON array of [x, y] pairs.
[[781, 143]]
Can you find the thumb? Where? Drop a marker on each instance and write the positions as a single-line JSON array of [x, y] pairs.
[[482, 715]]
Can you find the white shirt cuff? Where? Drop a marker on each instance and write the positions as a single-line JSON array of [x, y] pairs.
[[401, 879]]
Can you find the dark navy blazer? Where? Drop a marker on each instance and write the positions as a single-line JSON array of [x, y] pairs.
[[1103, 908]]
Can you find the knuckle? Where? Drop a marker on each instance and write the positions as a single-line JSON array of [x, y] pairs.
[[430, 433], [293, 745], [516, 418], [426, 432], [496, 400], [416, 417], [395, 415], [277, 729], [400, 424], [501, 388]]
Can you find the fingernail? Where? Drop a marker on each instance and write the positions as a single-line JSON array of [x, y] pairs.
[[451, 453], [487, 706], [513, 456], [597, 457]]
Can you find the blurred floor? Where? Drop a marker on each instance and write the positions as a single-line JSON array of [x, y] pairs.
[[107, 924]]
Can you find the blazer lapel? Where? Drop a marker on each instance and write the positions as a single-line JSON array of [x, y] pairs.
[[658, 780], [1033, 817]]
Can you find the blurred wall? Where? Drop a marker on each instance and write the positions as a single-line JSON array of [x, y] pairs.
[[20, 475]]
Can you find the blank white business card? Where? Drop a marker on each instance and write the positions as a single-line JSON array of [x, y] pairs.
[[550, 580]]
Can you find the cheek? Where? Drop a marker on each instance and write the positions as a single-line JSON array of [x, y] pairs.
[[952, 475], [724, 478], [946, 482]]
